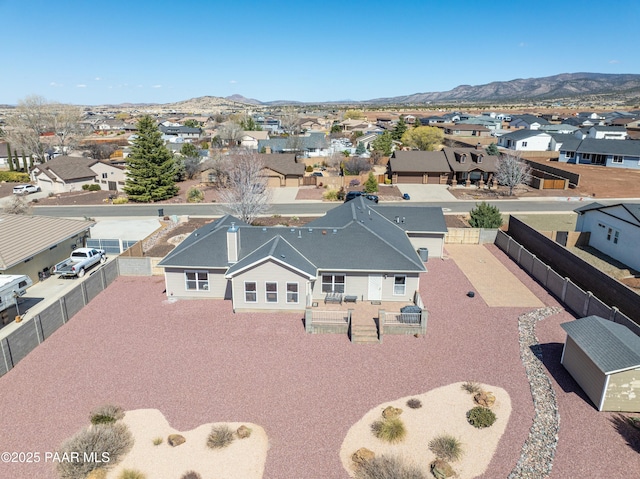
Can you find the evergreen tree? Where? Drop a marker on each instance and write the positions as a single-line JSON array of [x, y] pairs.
[[9, 157], [371, 185], [485, 215], [492, 149], [360, 149], [151, 168], [399, 129], [383, 143]]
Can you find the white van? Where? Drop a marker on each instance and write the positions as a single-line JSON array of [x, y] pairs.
[[12, 286]]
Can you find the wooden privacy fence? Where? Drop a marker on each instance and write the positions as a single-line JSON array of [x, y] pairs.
[[15, 346], [470, 235]]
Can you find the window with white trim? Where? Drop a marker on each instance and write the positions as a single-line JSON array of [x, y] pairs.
[[271, 292], [613, 235], [250, 292], [399, 285], [292, 292], [333, 283], [524, 143], [196, 280], [617, 159]]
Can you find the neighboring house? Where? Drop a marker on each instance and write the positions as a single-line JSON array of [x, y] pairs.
[[4, 155], [185, 133], [612, 153], [562, 128], [111, 175], [526, 140], [614, 230], [604, 359], [270, 124], [63, 174], [607, 132], [462, 129], [310, 144], [109, 125], [283, 170], [470, 165], [275, 268], [485, 121], [249, 139], [419, 167], [33, 244], [529, 122]]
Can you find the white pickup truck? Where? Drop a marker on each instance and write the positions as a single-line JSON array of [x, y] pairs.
[[80, 260]]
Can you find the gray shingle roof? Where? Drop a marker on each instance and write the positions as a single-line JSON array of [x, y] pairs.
[[523, 134], [632, 208], [284, 164], [610, 147], [489, 163], [69, 167], [611, 346], [567, 142]]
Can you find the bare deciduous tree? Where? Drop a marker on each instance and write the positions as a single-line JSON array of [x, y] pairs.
[[356, 165], [511, 171], [290, 120], [231, 132], [246, 194], [17, 205], [33, 117]]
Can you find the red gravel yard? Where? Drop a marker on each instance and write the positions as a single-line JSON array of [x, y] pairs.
[[197, 362]]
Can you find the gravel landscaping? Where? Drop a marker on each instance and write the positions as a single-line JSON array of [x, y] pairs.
[[197, 362]]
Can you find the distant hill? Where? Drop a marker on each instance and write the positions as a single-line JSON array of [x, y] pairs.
[[565, 85], [240, 99]]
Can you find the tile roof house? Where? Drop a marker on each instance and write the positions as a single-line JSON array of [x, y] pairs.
[[604, 359], [614, 230], [276, 268], [31, 244]]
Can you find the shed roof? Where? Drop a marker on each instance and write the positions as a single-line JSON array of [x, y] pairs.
[[611, 346], [24, 236]]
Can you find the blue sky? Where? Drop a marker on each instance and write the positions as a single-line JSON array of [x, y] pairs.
[[88, 52]]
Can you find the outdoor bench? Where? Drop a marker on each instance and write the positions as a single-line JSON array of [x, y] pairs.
[[333, 298]]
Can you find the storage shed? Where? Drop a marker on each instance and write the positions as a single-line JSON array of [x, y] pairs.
[[604, 359]]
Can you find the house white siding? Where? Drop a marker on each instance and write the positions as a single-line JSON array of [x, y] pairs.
[[176, 283], [434, 242], [357, 284], [584, 371], [108, 176]]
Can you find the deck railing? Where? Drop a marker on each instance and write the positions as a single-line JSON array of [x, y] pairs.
[[323, 321]]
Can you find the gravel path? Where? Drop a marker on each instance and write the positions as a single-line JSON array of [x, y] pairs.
[[197, 362]]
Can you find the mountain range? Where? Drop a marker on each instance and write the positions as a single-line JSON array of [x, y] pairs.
[[556, 87]]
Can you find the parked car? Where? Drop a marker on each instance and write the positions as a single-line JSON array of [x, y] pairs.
[[373, 198], [80, 260], [406, 196], [352, 195], [25, 189]]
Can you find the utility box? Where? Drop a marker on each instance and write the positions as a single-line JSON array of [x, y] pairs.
[[424, 254]]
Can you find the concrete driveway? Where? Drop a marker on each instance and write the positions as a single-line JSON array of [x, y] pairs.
[[427, 192]]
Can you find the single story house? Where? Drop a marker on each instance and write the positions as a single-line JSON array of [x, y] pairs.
[[111, 175], [64, 173], [602, 132], [419, 167], [32, 245], [185, 133], [592, 151], [275, 268], [462, 129], [283, 169], [310, 144], [526, 140], [604, 359], [529, 122], [614, 230], [249, 139]]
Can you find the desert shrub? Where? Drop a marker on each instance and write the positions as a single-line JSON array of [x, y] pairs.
[[387, 467], [387, 181], [414, 403], [194, 195], [331, 195], [353, 183], [106, 414], [157, 441], [471, 387], [446, 447], [389, 430], [120, 200], [92, 445], [191, 475], [14, 177], [481, 417], [131, 474], [219, 437], [91, 187], [309, 169]]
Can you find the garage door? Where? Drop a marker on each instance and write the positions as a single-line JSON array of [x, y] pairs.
[[273, 182], [434, 179], [414, 179]]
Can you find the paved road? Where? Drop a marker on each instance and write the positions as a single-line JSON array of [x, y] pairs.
[[299, 209]]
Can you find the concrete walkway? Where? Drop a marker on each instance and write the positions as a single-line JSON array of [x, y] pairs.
[[495, 283], [427, 192]]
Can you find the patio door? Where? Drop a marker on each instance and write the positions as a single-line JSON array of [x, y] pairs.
[[375, 287]]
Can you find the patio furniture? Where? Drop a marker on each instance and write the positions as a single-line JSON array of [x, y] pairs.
[[351, 299], [333, 298]]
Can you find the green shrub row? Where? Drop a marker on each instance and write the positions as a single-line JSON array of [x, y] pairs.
[[14, 177]]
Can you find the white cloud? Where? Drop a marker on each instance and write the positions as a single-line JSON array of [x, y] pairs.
[[156, 86], [81, 86], [614, 61], [55, 85], [97, 78]]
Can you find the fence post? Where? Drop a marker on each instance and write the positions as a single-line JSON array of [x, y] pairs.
[[36, 320], [564, 288], [587, 301], [381, 319], [7, 360], [546, 278], [307, 320], [85, 296], [614, 313], [63, 310]]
